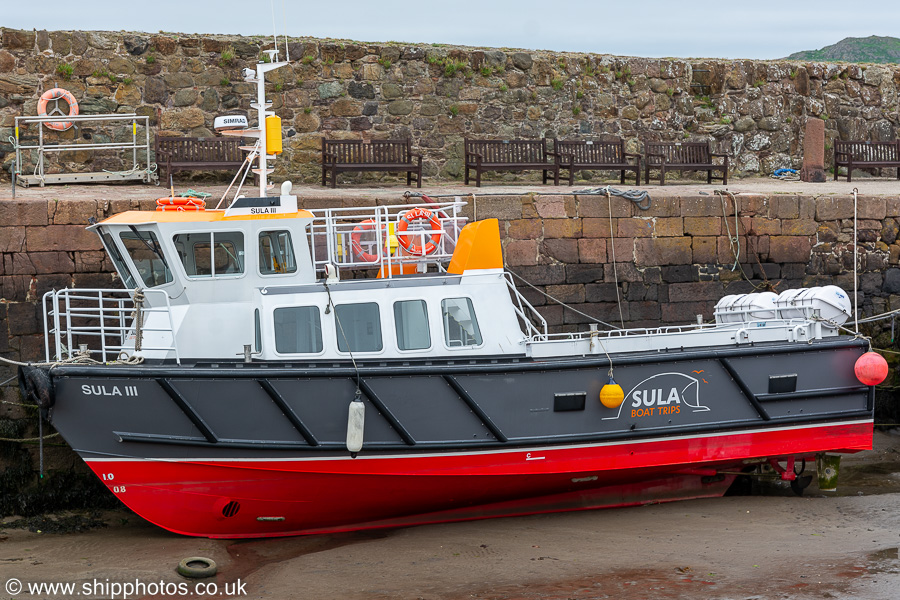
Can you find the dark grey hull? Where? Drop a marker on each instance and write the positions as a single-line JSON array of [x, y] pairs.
[[279, 410]]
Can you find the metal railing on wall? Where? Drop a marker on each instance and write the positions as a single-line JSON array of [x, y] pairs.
[[141, 167]]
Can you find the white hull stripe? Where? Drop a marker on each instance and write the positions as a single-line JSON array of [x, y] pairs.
[[489, 452]]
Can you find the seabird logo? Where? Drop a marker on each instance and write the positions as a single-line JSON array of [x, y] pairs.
[[664, 394]]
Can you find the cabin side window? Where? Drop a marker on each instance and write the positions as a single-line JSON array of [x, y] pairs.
[[460, 325], [298, 330], [411, 324], [358, 327], [145, 252], [276, 253], [118, 262], [217, 254]]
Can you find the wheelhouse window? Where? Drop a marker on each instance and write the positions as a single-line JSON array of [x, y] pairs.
[[145, 252], [460, 325], [118, 262], [216, 254], [411, 325], [298, 330], [358, 327], [276, 253]]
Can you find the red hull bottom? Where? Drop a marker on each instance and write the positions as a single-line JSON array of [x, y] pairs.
[[263, 498]]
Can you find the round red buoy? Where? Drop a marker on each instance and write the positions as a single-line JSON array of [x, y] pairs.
[[871, 368]]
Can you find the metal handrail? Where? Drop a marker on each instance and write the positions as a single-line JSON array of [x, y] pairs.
[[668, 329], [532, 333], [42, 148], [106, 319], [336, 226]]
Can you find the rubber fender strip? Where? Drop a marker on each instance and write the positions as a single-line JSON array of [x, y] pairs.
[[188, 410], [386, 413], [282, 404], [749, 394], [461, 391]]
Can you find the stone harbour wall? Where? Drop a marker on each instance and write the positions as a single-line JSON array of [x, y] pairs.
[[436, 95], [672, 262]]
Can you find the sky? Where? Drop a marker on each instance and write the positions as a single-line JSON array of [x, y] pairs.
[[760, 29]]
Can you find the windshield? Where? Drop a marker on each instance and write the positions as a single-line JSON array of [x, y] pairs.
[[147, 256], [118, 262]]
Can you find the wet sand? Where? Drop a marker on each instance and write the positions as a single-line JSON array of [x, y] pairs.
[[775, 545]]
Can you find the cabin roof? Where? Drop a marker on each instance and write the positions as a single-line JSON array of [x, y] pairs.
[[143, 217]]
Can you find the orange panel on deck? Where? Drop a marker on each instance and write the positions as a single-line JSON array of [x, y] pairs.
[[478, 247]]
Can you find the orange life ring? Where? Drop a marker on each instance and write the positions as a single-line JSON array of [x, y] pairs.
[[356, 237], [55, 95], [404, 238], [180, 204]]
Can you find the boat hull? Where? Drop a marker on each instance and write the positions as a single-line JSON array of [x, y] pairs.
[[254, 498], [260, 450]]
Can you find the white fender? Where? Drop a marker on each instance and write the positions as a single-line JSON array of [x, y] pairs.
[[356, 423]]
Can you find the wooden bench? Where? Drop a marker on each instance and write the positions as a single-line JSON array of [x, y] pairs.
[[175, 154], [344, 156], [865, 155], [579, 155], [683, 156], [509, 155]]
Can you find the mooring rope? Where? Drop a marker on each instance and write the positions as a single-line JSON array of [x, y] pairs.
[[640, 198], [612, 239], [31, 439], [558, 301]]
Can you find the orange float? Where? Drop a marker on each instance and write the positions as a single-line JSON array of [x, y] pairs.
[[403, 238], [55, 95], [180, 204], [356, 238], [871, 368]]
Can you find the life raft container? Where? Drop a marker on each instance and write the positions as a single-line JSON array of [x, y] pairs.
[[356, 238], [404, 239], [55, 95], [180, 204]]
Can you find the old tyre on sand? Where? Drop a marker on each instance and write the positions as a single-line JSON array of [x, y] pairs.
[[197, 567]]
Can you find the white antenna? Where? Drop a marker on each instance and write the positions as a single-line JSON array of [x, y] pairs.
[[274, 31], [287, 49]]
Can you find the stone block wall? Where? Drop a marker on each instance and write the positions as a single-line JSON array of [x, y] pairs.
[[437, 94], [676, 260], [672, 262]]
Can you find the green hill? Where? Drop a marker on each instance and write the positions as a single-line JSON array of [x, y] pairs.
[[872, 49]]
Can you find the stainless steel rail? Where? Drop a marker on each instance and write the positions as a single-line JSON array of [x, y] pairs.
[[139, 170]]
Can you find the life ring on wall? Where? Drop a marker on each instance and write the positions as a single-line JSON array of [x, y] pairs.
[[54, 96], [356, 238], [180, 204], [404, 238]]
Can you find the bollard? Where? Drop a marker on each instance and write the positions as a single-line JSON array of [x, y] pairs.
[[827, 468]]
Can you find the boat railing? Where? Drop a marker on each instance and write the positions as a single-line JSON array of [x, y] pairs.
[[620, 333], [785, 324], [367, 237], [100, 324], [527, 313]]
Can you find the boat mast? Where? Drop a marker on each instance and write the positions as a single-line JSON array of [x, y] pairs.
[[262, 106]]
